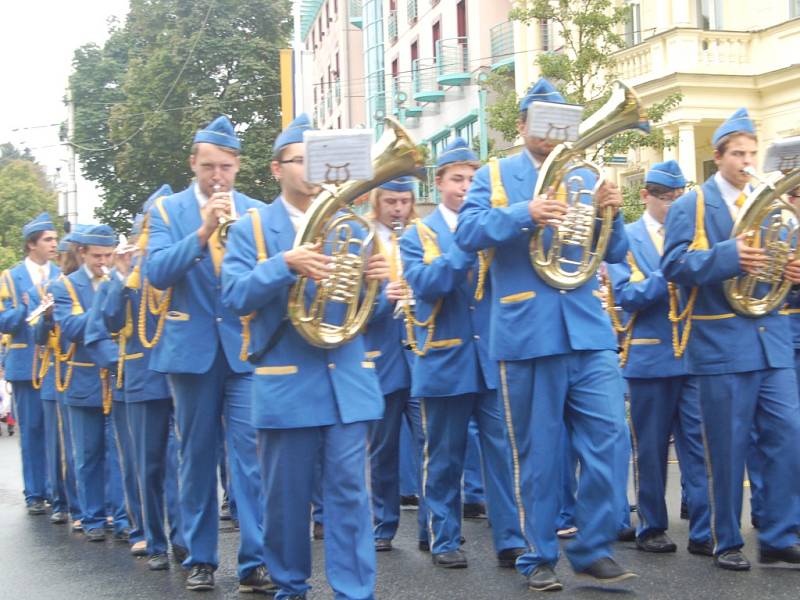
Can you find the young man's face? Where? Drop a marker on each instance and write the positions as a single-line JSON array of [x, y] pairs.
[[394, 207], [659, 205], [45, 248], [97, 257], [453, 184], [538, 147], [741, 152], [289, 170], [214, 167]]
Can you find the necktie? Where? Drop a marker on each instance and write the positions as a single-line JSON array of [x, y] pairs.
[[658, 240], [216, 250], [740, 200]]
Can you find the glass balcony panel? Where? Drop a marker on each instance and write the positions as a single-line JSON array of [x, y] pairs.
[[452, 58]]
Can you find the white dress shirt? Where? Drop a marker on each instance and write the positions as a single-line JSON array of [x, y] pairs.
[[38, 273], [296, 215], [450, 216], [730, 193]]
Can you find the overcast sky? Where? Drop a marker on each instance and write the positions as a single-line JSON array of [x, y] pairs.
[[37, 41]]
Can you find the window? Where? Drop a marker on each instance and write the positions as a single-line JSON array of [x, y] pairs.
[[794, 8], [633, 24], [461, 18], [436, 34], [709, 14], [328, 11], [544, 34], [414, 52], [468, 131]]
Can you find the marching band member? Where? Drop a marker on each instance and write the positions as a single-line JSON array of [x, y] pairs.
[[663, 397], [83, 385], [34, 271], [147, 401], [393, 208], [199, 352], [307, 401], [744, 366], [558, 362], [453, 371]]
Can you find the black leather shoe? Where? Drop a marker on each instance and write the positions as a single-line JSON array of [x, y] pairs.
[[37, 507], [606, 570], [257, 581], [76, 526], [225, 512], [139, 548], [409, 501], [96, 535], [450, 560], [319, 531], [732, 560], [123, 535], [626, 534], [543, 579], [657, 542], [684, 512], [383, 545], [200, 578], [704, 548], [474, 510], [59, 518], [507, 558], [768, 555], [158, 562], [179, 553], [424, 546]]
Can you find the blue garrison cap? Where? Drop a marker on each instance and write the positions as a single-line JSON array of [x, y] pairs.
[[63, 245], [220, 133], [667, 173], [164, 190], [738, 122], [456, 151], [95, 235], [43, 222], [543, 91], [293, 134], [401, 184]]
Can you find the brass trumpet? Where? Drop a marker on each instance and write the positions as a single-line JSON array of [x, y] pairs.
[[771, 222], [578, 228], [225, 221]]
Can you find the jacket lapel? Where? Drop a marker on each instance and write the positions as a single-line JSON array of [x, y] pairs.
[[718, 216], [646, 250], [523, 177], [83, 288], [281, 225]]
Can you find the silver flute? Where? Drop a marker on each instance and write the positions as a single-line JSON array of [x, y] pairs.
[[46, 304]]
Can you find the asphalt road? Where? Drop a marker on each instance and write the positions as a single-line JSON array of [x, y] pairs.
[[40, 561]]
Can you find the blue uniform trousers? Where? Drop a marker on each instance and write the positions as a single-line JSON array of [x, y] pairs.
[[473, 479], [28, 412], [156, 463], [288, 460], [410, 459], [385, 463], [661, 406], [585, 390], [316, 493], [115, 487], [128, 470], [731, 406], [201, 404], [568, 485], [445, 423], [55, 474], [68, 459]]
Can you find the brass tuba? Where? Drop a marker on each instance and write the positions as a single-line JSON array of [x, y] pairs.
[[331, 221], [578, 229], [769, 221]]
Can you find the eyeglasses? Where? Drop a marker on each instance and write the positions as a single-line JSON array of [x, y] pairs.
[[297, 160], [669, 196]]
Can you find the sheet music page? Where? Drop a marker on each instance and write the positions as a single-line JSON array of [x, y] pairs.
[[556, 122], [783, 155], [338, 155]]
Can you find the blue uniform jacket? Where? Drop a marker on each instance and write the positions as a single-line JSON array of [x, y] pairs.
[[40, 333], [197, 320], [19, 357], [120, 311], [85, 388], [721, 341], [384, 339], [457, 361], [651, 354], [531, 319], [295, 384]]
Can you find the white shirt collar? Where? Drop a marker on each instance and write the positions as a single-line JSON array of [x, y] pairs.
[[201, 197], [35, 271], [384, 234], [450, 216], [729, 192], [296, 215], [652, 225], [92, 279], [532, 158]]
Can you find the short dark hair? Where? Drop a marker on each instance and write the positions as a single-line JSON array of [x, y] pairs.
[[32, 239], [724, 141]]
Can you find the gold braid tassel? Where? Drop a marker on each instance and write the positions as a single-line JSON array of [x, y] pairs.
[[63, 384], [106, 386], [627, 329], [485, 258], [680, 341], [124, 335], [261, 256], [160, 310]]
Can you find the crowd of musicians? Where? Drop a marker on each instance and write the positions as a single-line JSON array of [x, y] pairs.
[[136, 375]]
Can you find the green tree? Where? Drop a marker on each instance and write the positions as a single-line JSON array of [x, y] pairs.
[[172, 67], [24, 193], [9, 152]]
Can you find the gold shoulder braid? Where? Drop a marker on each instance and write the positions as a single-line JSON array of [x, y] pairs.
[[627, 329], [699, 242], [125, 333], [430, 250], [77, 309], [106, 387], [499, 199], [261, 256]]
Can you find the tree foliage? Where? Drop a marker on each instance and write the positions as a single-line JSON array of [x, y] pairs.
[[9, 152], [24, 193], [169, 69]]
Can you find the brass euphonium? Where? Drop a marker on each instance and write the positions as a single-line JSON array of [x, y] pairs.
[[578, 228], [770, 222], [331, 222]]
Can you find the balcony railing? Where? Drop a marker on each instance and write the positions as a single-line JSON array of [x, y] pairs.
[[412, 12], [401, 98], [356, 13], [426, 87], [452, 58], [502, 39], [337, 91], [391, 26]]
